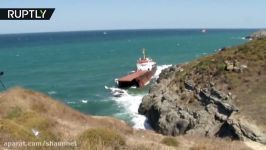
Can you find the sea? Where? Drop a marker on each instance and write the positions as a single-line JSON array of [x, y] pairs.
[[80, 68]]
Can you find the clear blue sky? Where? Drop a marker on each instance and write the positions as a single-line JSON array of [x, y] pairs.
[[71, 15]]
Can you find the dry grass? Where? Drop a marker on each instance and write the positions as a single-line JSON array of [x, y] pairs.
[[99, 138], [248, 87], [22, 110], [18, 100], [170, 141], [202, 143]]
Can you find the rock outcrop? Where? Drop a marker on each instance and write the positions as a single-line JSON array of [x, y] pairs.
[[257, 35], [200, 98], [29, 116]]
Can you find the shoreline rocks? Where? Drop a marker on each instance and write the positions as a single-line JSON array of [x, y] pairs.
[[257, 35], [168, 115], [194, 100]]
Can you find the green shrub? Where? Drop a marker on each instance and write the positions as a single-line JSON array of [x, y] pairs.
[[220, 67], [170, 141], [99, 138], [204, 65]]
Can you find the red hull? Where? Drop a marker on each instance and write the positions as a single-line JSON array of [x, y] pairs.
[[138, 78]]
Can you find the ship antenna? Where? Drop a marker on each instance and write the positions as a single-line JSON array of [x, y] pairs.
[[144, 55]]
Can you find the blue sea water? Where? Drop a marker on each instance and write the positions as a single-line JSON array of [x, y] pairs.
[[75, 67]]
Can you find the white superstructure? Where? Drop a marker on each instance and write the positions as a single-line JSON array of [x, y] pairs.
[[145, 64]]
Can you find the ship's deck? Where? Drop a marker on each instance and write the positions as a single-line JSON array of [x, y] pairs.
[[132, 76]]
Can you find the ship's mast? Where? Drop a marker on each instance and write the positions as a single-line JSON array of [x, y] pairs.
[[143, 52]]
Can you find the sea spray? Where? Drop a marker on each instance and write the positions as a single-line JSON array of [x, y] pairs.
[[159, 70], [130, 101], [130, 104]]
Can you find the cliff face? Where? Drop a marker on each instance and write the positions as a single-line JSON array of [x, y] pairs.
[[257, 35], [219, 95]]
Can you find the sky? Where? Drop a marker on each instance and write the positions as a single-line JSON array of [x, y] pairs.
[[79, 15]]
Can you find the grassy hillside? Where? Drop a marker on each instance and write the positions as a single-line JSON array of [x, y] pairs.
[[23, 111], [246, 83]]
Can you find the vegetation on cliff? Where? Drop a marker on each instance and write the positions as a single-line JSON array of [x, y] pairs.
[[34, 117], [218, 95]]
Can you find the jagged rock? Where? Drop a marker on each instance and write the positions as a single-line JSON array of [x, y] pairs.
[[234, 66], [218, 94], [229, 66], [221, 117], [168, 116], [190, 85], [237, 69], [145, 104], [169, 119], [257, 35], [167, 74], [172, 124], [245, 129], [200, 101]]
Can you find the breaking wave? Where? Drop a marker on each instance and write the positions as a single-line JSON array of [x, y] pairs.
[[129, 101], [159, 70], [52, 92], [84, 101]]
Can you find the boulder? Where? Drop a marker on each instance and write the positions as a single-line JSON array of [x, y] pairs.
[[229, 66], [257, 35], [190, 85], [245, 129]]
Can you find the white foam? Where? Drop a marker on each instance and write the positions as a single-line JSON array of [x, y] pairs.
[[130, 102], [84, 101], [239, 38], [52, 92], [160, 69], [117, 92]]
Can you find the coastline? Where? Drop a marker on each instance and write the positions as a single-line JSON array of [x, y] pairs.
[[198, 98], [32, 105], [34, 118]]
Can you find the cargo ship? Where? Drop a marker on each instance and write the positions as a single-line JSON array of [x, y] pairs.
[[146, 68]]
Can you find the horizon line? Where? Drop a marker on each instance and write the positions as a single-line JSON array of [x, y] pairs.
[[137, 29]]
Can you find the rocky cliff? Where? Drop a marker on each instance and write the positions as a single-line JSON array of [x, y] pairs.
[[257, 35], [29, 118], [219, 95]]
